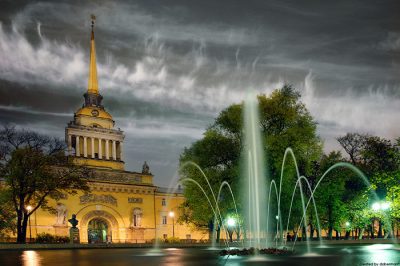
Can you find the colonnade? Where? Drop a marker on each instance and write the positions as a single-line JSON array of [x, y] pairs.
[[90, 152]]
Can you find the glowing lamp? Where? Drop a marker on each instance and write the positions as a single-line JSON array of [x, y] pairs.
[[231, 222], [376, 206]]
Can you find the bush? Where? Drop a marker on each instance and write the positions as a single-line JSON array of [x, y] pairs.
[[46, 238], [172, 240], [188, 241]]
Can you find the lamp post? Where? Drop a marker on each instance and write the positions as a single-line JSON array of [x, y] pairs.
[[172, 215], [379, 206], [231, 223], [29, 208], [348, 230]]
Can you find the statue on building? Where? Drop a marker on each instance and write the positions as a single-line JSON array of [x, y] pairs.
[[61, 214], [146, 168], [136, 218]]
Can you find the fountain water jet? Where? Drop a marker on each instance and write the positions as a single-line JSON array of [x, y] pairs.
[[269, 204], [304, 209], [254, 189]]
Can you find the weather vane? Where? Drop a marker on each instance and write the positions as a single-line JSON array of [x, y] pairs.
[[93, 17]]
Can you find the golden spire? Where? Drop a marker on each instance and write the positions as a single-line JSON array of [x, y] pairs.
[[93, 85]]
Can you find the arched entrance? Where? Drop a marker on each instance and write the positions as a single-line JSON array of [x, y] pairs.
[[99, 231], [113, 226]]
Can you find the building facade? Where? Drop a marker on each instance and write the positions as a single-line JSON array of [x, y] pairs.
[[122, 206]]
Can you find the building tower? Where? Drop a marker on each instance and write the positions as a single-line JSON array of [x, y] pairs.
[[91, 137]]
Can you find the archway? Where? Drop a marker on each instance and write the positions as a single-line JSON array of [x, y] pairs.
[[99, 231], [108, 215]]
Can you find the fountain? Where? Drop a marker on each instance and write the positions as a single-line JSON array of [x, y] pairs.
[[258, 192]]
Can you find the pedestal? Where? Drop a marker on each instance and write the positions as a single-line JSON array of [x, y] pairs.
[[61, 230], [74, 235]]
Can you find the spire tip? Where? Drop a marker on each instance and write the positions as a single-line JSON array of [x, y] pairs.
[[93, 18]]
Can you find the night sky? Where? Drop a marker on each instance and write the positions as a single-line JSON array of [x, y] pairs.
[[167, 68]]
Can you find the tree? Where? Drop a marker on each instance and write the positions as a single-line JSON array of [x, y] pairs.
[[359, 214], [379, 159], [371, 154], [35, 168], [330, 194], [387, 186], [284, 121], [353, 144], [379, 156], [7, 214]]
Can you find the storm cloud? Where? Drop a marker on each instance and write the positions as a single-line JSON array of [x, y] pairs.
[[166, 68]]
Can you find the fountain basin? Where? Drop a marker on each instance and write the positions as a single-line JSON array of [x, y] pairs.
[[255, 251]]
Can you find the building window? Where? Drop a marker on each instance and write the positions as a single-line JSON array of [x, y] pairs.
[[164, 202], [164, 220], [165, 236]]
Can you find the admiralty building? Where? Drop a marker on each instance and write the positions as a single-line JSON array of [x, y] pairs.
[[122, 206]]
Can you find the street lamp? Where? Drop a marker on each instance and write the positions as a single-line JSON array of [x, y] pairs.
[[172, 215], [349, 231], [376, 206], [29, 208], [379, 206], [231, 223]]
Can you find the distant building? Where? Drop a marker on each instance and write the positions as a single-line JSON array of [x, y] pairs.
[[122, 206]]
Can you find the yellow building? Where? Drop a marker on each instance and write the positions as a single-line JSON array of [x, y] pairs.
[[122, 206]]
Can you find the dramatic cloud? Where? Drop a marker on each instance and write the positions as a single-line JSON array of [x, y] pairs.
[[167, 69], [392, 43], [47, 63], [349, 111]]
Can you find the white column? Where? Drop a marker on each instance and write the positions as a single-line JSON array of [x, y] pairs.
[[69, 144], [77, 151], [92, 142], [100, 149], [121, 152], [114, 150], [107, 150], [84, 146]]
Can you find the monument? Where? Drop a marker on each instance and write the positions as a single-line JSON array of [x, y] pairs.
[[74, 231]]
